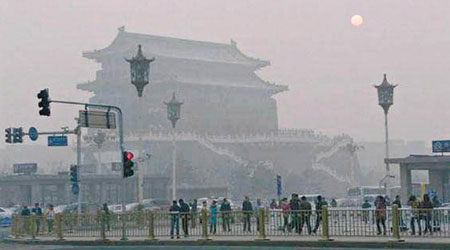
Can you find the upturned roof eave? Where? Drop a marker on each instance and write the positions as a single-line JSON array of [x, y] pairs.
[[123, 37]]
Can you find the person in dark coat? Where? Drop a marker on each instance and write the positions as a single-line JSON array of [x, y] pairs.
[[294, 205], [184, 216], [319, 204], [398, 202], [38, 212], [225, 210], [426, 209], [193, 213], [107, 216], [247, 210], [175, 219], [305, 214]]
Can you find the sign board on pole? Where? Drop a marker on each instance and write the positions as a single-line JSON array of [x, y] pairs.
[[57, 140], [33, 134], [25, 168], [97, 119], [441, 146]]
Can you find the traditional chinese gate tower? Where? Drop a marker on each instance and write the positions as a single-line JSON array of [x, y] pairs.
[[217, 83]]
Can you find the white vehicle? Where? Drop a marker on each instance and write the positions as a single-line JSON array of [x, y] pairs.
[[59, 209], [116, 208], [4, 212]]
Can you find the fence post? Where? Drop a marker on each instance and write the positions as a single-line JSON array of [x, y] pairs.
[[395, 223], [124, 231], [59, 231], [205, 224], [262, 224], [151, 225], [325, 224], [33, 226], [14, 226]]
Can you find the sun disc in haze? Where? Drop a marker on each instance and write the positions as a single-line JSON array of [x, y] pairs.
[[356, 20]]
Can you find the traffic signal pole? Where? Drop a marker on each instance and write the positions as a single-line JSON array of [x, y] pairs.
[[122, 160], [78, 131]]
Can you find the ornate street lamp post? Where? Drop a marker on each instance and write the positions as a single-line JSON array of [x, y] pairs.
[[173, 114], [139, 69], [385, 100]]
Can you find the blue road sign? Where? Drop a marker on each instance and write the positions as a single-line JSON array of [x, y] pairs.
[[279, 186], [33, 134], [57, 140], [441, 146]]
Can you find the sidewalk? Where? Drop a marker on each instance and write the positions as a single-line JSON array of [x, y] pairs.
[[343, 242]]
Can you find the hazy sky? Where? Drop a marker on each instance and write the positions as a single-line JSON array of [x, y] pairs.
[[329, 65]]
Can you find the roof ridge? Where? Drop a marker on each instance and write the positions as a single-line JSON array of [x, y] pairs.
[[179, 39]]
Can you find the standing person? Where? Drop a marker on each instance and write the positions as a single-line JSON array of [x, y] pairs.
[[38, 212], [414, 204], [319, 204], [174, 220], [366, 206], [213, 221], [333, 203], [305, 215], [50, 216], [273, 204], [273, 214], [426, 208], [285, 207], [294, 206], [436, 214], [225, 210], [247, 211], [380, 214], [184, 217], [25, 213], [257, 207], [194, 213], [398, 202], [106, 217]]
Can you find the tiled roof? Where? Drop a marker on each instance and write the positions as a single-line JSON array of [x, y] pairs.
[[177, 48]]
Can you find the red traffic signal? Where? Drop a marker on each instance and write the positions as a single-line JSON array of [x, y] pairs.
[[129, 155]]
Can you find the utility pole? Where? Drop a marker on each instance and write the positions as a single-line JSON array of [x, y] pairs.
[[78, 132]]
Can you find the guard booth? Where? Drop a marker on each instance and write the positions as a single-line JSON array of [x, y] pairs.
[[438, 168]]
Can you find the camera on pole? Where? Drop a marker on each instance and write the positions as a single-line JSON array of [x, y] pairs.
[[8, 135], [128, 164], [44, 102]]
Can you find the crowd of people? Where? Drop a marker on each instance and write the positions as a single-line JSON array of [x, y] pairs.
[[296, 215], [421, 211], [48, 216], [293, 215]]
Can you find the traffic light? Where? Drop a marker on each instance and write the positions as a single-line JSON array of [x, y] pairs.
[[8, 135], [128, 164], [75, 188], [74, 174], [44, 102], [17, 135]]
